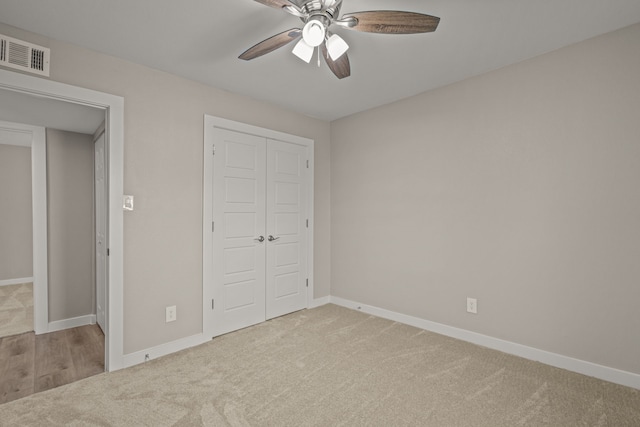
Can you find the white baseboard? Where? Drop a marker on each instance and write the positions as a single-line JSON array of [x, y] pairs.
[[613, 375], [74, 322], [9, 282], [317, 302], [138, 357]]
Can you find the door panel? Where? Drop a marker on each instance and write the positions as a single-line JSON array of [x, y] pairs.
[[239, 260], [239, 171], [287, 193], [287, 284], [286, 224], [239, 295], [287, 254], [241, 190], [240, 225], [286, 221]]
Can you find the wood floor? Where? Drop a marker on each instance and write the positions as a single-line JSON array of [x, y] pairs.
[[30, 364]]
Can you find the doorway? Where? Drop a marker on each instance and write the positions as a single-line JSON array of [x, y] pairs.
[[63, 351], [57, 95]]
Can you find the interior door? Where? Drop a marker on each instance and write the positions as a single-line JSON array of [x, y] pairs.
[[239, 244], [286, 228], [101, 231]]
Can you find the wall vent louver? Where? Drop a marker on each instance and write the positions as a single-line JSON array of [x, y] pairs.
[[24, 56]]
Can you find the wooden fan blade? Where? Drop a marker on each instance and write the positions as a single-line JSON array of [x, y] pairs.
[[341, 67], [278, 4], [391, 22], [271, 44]]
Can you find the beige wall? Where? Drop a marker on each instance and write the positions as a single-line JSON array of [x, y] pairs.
[[16, 234], [518, 187], [70, 224], [163, 167]]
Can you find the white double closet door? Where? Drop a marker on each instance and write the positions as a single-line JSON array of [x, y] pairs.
[[260, 229]]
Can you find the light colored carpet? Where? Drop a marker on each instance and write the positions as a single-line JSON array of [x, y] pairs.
[[16, 309], [333, 367]]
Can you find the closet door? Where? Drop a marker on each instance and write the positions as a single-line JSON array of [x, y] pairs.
[[239, 244], [286, 278]]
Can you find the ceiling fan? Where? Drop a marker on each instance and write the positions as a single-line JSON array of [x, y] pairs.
[[319, 15]]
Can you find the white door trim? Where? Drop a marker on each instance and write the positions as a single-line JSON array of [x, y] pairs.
[[210, 123], [100, 228], [39, 220], [114, 127]]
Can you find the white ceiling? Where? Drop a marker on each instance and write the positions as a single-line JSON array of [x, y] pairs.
[[201, 40]]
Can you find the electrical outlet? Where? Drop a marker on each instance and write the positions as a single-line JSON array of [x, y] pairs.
[[171, 314], [472, 305]]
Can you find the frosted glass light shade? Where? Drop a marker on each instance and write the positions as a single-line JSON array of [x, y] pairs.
[[336, 46], [303, 51], [313, 33]]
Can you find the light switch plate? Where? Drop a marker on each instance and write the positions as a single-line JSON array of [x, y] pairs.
[[127, 203]]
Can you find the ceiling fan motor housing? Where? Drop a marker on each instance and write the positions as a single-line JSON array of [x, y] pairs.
[[318, 7]]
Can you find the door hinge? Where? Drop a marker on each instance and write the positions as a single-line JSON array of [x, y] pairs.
[[213, 304], [214, 149], [107, 251], [213, 226], [307, 223], [307, 164], [307, 283]]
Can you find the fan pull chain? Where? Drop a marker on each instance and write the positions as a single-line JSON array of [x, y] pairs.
[[318, 56]]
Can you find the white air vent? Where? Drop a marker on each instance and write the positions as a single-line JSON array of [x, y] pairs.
[[24, 56]]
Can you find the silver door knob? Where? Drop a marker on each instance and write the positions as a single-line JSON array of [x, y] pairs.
[[259, 239], [272, 239]]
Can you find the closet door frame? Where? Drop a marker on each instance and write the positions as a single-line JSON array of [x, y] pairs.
[[210, 124]]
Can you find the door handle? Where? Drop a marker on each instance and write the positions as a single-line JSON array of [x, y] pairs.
[[272, 239], [259, 239]]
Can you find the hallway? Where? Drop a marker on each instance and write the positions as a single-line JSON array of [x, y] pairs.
[[31, 364]]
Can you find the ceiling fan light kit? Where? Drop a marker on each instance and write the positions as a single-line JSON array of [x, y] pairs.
[[314, 32], [303, 51], [319, 15], [336, 46]]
